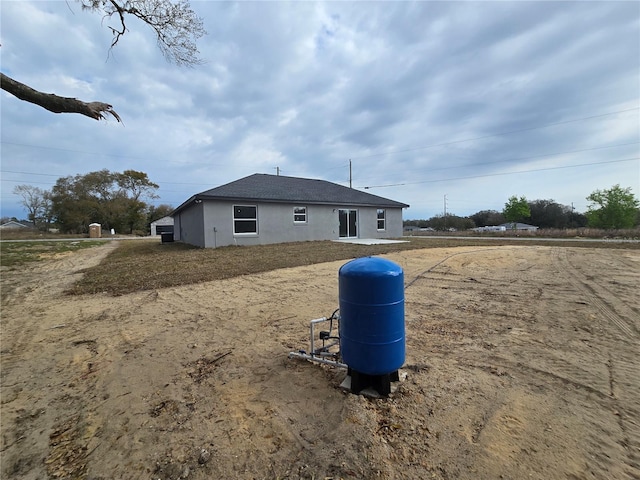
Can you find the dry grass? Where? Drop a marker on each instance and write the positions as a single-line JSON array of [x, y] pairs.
[[15, 254], [144, 265]]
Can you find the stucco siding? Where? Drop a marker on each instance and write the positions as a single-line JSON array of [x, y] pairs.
[[188, 226], [265, 209], [218, 224], [368, 223], [275, 224], [394, 223]]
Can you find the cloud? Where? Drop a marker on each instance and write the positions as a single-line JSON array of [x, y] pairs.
[[443, 98]]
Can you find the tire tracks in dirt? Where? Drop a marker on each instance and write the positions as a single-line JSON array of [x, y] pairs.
[[500, 346], [597, 370], [444, 260], [623, 363], [603, 299], [32, 334]]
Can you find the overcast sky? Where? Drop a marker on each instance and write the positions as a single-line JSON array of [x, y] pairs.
[[462, 104]]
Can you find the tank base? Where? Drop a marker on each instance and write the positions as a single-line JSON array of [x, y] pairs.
[[380, 383]]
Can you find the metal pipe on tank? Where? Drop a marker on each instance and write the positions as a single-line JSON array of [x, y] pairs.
[[315, 358]]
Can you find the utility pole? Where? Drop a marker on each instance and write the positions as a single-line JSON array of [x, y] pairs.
[[571, 216], [277, 171], [445, 211], [350, 175]]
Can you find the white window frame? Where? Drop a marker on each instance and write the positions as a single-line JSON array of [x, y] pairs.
[[297, 214], [243, 219], [383, 219]]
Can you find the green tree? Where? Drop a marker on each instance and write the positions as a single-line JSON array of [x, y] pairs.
[[613, 208], [176, 27], [577, 220], [416, 223], [134, 187], [516, 209], [450, 223], [486, 218], [114, 200], [549, 214], [136, 184], [74, 206], [156, 213]]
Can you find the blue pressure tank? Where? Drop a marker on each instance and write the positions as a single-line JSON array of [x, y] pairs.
[[371, 294]]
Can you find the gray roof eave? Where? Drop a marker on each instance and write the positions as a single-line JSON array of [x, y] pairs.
[[263, 188], [183, 205], [388, 204]]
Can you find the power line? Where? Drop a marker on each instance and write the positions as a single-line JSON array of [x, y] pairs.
[[432, 170], [32, 173], [501, 174], [540, 156], [23, 181], [61, 176], [71, 150], [493, 135], [90, 153], [533, 157], [352, 157]]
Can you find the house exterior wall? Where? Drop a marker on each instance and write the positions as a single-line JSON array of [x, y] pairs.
[[395, 227], [519, 226], [275, 224], [218, 224], [214, 228], [188, 226], [368, 223]]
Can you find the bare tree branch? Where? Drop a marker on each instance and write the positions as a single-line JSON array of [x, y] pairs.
[[55, 103], [177, 27]]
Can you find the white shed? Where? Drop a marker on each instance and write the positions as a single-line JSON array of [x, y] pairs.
[[162, 225]]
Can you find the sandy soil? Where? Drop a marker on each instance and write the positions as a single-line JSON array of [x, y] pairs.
[[522, 362]]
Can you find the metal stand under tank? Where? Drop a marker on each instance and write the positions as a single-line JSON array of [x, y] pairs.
[[378, 383]]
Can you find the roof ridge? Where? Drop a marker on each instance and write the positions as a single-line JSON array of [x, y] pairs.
[[265, 187]]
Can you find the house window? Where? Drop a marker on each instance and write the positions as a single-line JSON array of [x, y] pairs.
[[245, 219], [381, 219], [299, 214]]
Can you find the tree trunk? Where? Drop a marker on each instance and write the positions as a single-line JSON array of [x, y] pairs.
[[55, 103]]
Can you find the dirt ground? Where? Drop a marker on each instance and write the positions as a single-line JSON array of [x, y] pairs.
[[522, 362]]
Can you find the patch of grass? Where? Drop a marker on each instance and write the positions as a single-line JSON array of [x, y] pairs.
[[136, 266], [15, 254]]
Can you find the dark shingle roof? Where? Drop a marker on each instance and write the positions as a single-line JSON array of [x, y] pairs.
[[280, 189]]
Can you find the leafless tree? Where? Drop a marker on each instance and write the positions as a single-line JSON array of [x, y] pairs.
[[36, 201], [176, 26]]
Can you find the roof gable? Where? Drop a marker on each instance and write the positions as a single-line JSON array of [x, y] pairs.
[[518, 226], [13, 224], [281, 189]]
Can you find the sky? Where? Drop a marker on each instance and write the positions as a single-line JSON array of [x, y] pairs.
[[446, 106]]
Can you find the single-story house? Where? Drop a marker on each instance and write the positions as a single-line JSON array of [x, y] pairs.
[[162, 225], [263, 209], [519, 226], [490, 228], [13, 225]]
